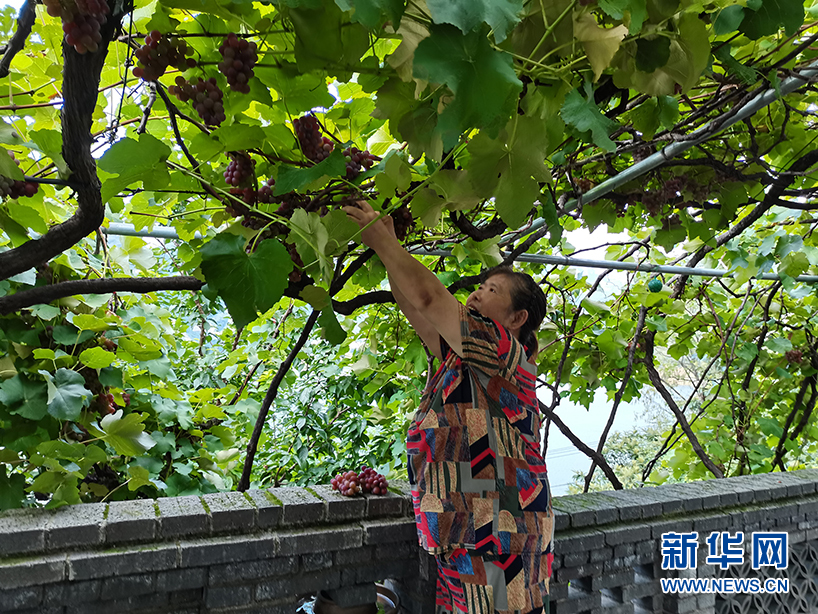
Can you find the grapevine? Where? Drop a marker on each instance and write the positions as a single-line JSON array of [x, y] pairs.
[[158, 53], [205, 96], [238, 59]]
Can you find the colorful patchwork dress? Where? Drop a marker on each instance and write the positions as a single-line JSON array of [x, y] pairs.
[[479, 484]]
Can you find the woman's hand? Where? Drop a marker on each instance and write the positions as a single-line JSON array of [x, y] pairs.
[[363, 213]]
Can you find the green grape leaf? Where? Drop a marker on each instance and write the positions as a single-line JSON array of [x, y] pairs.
[[600, 44], [770, 15], [125, 434], [583, 115], [97, 358], [652, 53], [310, 237], [734, 67], [24, 397], [482, 80], [316, 296], [131, 161], [248, 283], [67, 394], [617, 9], [323, 40], [371, 13], [514, 163], [8, 167], [793, 264], [291, 179], [729, 20], [501, 15], [12, 490], [330, 328]]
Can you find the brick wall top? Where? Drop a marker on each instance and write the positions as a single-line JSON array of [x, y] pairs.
[[101, 525]]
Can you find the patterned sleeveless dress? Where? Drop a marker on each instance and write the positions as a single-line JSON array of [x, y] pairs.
[[479, 484]]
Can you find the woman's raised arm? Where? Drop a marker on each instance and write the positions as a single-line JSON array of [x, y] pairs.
[[422, 289]]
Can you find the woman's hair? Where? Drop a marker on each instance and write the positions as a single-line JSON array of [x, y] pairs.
[[525, 294]]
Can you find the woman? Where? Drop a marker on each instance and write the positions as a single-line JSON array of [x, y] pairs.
[[479, 484]]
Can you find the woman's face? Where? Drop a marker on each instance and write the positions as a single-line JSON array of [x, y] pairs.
[[493, 300]]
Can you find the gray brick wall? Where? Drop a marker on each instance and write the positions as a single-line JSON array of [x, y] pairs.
[[266, 551]]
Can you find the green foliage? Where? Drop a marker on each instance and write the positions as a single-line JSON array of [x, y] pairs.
[[480, 112]]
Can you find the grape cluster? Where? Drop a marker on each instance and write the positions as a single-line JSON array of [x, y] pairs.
[[14, 188], [357, 160], [372, 482], [240, 170], [205, 96], [315, 146], [403, 222], [794, 356], [105, 403], [368, 480], [238, 59], [81, 21], [248, 195], [265, 192], [347, 483], [158, 53], [584, 185]]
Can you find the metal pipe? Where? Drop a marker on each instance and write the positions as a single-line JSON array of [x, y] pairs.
[[165, 232]]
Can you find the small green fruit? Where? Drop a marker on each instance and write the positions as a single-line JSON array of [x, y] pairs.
[[655, 285]]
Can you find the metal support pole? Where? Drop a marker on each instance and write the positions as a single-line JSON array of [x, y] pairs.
[[165, 232]]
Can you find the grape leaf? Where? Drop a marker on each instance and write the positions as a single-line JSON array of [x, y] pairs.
[[371, 13], [330, 328], [126, 435], [652, 53], [248, 283], [600, 44], [618, 8], [583, 114], [501, 15], [729, 20], [511, 166], [324, 39], [67, 394], [482, 80], [7, 166], [132, 161], [291, 178], [25, 397], [97, 358], [12, 490], [238, 137], [771, 15]]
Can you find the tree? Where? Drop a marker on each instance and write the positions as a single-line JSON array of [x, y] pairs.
[[482, 126]]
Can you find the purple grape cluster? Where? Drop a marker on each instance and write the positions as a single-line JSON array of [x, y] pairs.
[[158, 53], [315, 146], [239, 56], [357, 160], [205, 96], [239, 171]]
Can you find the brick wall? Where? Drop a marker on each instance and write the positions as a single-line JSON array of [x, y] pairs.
[[264, 551]]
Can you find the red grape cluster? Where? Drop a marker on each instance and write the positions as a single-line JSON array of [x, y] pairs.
[[372, 481], [265, 192], [794, 356], [81, 21], [403, 222], [158, 53], [357, 160], [105, 404], [368, 480], [239, 58], [240, 170], [295, 274], [15, 188], [205, 96], [248, 195], [314, 146], [347, 483]]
